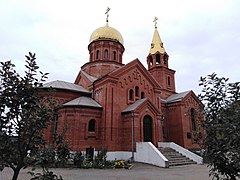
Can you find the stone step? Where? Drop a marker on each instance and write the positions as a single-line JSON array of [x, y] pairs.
[[180, 160], [172, 154], [167, 149], [175, 158], [181, 163]]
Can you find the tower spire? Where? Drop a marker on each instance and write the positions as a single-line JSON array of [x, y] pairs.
[[157, 44]]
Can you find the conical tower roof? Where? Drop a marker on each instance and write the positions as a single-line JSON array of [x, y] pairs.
[[157, 44]]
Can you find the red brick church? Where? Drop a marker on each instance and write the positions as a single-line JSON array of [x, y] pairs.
[[108, 98]]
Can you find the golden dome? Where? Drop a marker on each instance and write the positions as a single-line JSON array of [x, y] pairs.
[[106, 32]]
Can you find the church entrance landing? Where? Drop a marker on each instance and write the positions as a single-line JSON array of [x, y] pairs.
[[147, 128]]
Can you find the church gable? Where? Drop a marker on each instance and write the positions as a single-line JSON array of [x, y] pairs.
[[178, 97], [135, 70], [136, 83], [186, 97], [135, 80], [191, 100], [128, 84]]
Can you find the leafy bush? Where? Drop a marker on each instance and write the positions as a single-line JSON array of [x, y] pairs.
[[78, 159], [62, 152], [87, 163], [99, 161], [46, 175], [109, 164]]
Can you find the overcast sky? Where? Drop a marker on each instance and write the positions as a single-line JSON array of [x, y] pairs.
[[200, 36]]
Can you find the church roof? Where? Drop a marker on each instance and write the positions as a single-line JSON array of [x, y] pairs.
[[135, 105], [177, 97], [83, 101], [157, 44], [91, 78], [163, 100], [65, 86]]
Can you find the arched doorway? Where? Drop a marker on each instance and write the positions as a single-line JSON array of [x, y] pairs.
[[147, 128]]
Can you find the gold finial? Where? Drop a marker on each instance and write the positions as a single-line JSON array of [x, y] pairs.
[[108, 9], [155, 21]]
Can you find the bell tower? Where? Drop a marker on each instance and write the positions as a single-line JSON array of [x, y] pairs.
[[157, 61]]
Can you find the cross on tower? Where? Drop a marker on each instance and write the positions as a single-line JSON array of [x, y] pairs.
[[155, 21], [108, 9]]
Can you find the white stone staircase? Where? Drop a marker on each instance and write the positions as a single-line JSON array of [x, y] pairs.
[[167, 154], [182, 151], [175, 158]]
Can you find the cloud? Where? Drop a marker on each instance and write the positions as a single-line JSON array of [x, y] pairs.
[[200, 37]]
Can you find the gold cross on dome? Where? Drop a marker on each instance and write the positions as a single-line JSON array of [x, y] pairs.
[[108, 9], [155, 21]]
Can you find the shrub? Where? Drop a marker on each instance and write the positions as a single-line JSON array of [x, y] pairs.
[[78, 159]]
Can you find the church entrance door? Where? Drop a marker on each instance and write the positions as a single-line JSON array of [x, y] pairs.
[[147, 128]]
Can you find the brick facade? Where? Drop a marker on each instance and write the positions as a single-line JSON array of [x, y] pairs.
[[116, 95]]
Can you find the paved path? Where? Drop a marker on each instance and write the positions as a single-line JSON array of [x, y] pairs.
[[138, 171]]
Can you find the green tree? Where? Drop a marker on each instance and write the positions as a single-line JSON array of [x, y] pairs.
[[222, 125], [44, 158], [23, 114]]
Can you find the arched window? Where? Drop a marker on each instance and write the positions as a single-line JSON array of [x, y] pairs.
[[137, 91], [114, 55], [193, 119], [91, 125], [97, 54], [130, 94], [169, 81], [150, 60], [106, 54], [142, 95], [165, 59], [157, 58]]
